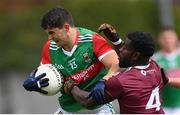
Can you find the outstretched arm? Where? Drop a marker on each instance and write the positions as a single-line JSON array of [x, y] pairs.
[[171, 81], [88, 99], [174, 81], [85, 98], [82, 97]]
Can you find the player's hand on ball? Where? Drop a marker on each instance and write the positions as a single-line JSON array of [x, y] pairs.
[[68, 85], [109, 32], [33, 83]]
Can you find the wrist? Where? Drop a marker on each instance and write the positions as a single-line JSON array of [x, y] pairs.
[[114, 37], [74, 89], [119, 41]]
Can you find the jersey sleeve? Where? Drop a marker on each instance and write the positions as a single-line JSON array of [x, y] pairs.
[[101, 47], [46, 53], [113, 88]]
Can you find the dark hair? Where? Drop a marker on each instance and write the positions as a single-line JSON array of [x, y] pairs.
[[142, 42], [56, 17]]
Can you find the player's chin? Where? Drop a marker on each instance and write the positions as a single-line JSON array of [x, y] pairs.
[[124, 64], [58, 44]]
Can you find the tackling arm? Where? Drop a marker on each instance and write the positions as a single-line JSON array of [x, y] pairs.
[[82, 97], [89, 99], [86, 99], [172, 81]]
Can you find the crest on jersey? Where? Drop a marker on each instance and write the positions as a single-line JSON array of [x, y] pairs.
[[86, 57]]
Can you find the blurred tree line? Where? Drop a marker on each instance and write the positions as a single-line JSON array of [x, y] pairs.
[[22, 39]]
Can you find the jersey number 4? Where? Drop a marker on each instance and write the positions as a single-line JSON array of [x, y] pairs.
[[154, 101]]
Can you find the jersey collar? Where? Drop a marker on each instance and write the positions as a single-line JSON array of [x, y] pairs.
[[140, 67], [77, 36]]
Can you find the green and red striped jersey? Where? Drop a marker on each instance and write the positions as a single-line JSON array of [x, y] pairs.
[[82, 63]]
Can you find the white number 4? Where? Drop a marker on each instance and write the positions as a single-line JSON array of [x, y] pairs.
[[154, 104]]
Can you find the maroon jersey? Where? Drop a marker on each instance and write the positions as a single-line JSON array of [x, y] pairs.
[[138, 89]]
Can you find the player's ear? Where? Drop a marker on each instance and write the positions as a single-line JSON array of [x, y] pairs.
[[136, 55], [67, 27]]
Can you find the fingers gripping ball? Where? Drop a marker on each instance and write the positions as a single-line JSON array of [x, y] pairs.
[[55, 79]]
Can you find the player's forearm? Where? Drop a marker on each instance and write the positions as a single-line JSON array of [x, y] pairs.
[[113, 69], [174, 81], [111, 62], [82, 97]]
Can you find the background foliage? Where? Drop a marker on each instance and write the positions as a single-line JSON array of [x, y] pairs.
[[22, 39]]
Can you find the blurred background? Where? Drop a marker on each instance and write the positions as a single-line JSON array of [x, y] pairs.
[[22, 39]]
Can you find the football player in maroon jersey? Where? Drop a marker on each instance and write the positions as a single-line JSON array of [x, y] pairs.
[[138, 89]]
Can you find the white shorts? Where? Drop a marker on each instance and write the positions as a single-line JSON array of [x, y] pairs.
[[169, 110], [105, 109]]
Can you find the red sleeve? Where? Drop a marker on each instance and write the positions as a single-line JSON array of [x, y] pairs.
[[46, 54], [113, 88], [100, 46]]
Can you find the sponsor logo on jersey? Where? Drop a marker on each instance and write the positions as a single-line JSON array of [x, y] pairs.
[[86, 57], [87, 73]]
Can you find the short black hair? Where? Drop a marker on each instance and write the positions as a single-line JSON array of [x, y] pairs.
[[56, 17], [142, 42]]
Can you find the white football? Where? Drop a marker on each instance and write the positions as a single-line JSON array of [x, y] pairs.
[[54, 76]]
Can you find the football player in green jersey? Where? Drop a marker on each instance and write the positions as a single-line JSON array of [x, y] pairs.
[[169, 58], [79, 54]]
